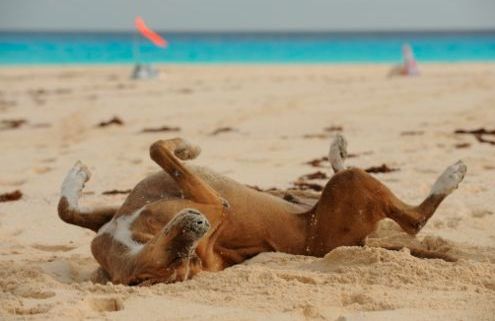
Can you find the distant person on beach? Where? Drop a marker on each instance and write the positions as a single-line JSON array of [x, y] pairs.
[[409, 66]]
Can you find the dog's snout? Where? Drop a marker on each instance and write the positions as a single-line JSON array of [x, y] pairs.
[[192, 221]]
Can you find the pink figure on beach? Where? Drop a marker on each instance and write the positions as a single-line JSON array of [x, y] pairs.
[[410, 68]]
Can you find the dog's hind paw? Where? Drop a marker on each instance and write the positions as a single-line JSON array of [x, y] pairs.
[[338, 153], [449, 179]]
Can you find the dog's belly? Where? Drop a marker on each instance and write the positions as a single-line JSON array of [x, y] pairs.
[[257, 221]]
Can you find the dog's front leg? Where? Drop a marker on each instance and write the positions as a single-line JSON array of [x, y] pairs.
[[164, 152]]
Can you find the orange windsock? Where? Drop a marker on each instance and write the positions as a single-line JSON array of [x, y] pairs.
[[150, 34]]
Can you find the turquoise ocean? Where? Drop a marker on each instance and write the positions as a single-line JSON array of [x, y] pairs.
[[24, 48]]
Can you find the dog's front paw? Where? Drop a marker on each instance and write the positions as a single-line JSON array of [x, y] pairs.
[[76, 177], [80, 171], [74, 182], [187, 151]]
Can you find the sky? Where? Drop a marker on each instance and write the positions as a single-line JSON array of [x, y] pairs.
[[248, 15]]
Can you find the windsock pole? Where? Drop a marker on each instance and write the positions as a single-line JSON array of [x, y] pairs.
[[136, 47]]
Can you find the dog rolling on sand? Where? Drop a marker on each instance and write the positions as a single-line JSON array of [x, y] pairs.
[[186, 219]]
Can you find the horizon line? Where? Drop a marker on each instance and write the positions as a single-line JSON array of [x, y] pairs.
[[266, 32]]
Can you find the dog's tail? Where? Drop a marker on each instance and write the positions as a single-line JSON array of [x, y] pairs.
[[68, 206]]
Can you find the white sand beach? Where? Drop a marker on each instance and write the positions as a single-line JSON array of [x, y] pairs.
[[276, 118]]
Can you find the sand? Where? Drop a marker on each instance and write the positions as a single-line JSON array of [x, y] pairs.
[[278, 116]]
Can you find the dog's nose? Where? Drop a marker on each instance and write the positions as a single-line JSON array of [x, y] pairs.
[[205, 223], [201, 222]]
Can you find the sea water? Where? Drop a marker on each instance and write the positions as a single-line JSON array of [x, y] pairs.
[[116, 48]]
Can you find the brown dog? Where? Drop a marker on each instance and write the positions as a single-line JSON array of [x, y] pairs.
[[186, 219]]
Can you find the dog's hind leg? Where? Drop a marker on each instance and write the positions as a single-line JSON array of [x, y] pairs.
[[68, 206], [410, 218], [413, 218], [353, 202]]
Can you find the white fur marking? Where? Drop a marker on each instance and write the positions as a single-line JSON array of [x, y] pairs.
[[120, 229]]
